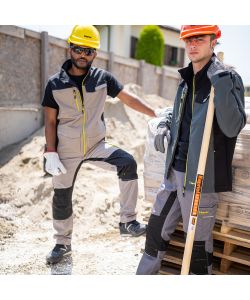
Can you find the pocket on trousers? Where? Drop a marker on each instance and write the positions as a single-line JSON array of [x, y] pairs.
[[205, 224]]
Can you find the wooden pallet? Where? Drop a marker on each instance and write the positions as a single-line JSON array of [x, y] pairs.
[[231, 251]]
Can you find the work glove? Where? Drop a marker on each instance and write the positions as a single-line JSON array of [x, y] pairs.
[[162, 132], [53, 164], [215, 68], [163, 112]]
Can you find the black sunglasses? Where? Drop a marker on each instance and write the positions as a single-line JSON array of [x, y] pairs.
[[80, 50]]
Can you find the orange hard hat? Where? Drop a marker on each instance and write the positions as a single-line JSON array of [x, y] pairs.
[[191, 30]]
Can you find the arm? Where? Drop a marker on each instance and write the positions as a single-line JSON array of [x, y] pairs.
[[50, 128], [228, 98], [135, 103], [229, 103]]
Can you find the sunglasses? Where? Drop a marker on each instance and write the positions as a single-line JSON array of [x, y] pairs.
[[80, 50]]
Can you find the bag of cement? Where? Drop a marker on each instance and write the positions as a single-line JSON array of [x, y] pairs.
[[154, 162], [242, 154]]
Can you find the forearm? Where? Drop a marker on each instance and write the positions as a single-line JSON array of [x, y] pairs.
[[138, 105], [50, 136]]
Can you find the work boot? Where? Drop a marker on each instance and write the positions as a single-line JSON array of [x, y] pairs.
[[58, 253], [132, 228]]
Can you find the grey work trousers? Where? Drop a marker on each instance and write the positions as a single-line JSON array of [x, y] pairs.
[[170, 206]]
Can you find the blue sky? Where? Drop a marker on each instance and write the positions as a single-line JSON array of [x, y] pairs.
[[234, 42]]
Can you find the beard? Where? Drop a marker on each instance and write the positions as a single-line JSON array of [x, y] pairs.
[[76, 63]]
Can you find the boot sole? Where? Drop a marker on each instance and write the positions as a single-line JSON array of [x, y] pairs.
[[132, 234], [58, 260]]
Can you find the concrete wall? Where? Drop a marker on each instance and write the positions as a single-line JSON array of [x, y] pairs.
[[28, 58]]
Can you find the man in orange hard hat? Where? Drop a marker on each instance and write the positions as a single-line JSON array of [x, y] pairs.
[[75, 133], [185, 131]]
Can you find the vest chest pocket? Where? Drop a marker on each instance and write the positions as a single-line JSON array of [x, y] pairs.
[[97, 97]]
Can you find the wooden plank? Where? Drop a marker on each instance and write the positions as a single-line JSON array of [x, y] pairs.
[[232, 238], [225, 263], [234, 257], [169, 268]]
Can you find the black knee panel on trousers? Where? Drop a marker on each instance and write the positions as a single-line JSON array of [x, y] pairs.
[[62, 203], [128, 171], [154, 241], [201, 259], [125, 164]]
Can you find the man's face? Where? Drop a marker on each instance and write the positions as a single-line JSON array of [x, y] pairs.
[[199, 47], [82, 57]]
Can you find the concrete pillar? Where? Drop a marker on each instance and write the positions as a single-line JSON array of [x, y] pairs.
[[141, 73], [126, 40], [44, 59], [111, 61], [162, 81], [112, 38], [44, 62]]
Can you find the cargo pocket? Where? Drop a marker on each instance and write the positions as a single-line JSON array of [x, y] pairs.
[[205, 223], [96, 98]]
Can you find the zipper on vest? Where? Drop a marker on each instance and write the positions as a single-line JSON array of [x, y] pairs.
[[185, 178], [84, 143], [84, 122]]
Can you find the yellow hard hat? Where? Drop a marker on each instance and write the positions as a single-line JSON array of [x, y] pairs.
[[85, 35]]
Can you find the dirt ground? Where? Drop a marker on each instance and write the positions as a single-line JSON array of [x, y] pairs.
[[26, 233]]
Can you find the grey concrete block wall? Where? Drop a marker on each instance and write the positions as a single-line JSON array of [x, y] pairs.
[[57, 56], [125, 74], [21, 77], [150, 80], [169, 89], [19, 71], [101, 63]]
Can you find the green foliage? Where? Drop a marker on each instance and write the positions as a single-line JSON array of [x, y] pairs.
[[150, 46]]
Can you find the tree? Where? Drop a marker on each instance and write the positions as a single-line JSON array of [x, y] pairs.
[[150, 46]]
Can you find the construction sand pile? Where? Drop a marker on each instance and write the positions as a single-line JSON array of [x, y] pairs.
[[26, 195]]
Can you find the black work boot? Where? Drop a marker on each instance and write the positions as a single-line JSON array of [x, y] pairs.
[[58, 253], [132, 228]]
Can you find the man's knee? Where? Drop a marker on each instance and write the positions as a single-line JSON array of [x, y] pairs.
[[201, 260], [125, 163], [62, 203], [129, 170]]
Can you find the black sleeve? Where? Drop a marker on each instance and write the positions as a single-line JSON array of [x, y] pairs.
[[113, 85], [48, 98]]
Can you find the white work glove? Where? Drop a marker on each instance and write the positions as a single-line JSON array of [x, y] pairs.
[[53, 164], [162, 112]]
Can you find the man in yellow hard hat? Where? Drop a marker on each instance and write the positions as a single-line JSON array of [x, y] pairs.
[[75, 133], [184, 131]]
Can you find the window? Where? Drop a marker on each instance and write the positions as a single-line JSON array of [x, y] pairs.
[[134, 41], [174, 56]]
